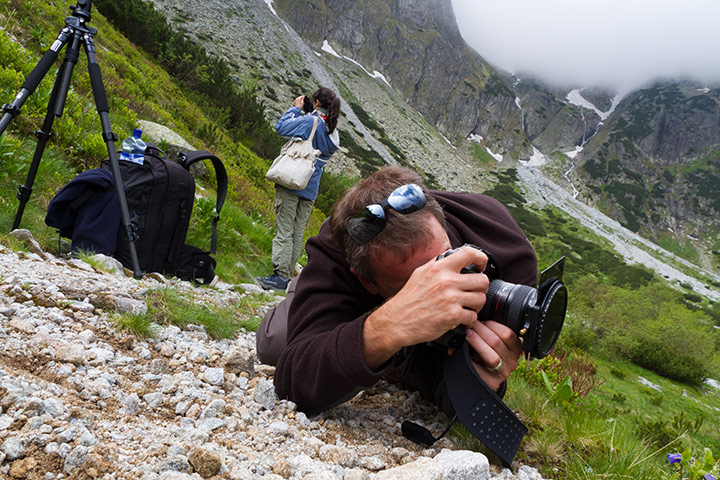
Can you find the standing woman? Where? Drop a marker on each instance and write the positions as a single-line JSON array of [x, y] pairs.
[[293, 207]]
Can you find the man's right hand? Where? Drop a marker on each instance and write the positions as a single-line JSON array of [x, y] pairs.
[[434, 299]]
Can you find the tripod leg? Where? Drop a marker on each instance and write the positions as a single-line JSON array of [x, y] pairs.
[[110, 139], [54, 109], [12, 110]]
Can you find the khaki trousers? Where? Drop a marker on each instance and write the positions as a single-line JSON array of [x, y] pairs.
[[292, 214]]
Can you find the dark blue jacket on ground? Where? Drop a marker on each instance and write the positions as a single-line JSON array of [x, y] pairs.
[[294, 124], [87, 211]]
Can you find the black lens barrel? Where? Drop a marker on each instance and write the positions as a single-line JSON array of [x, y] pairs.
[[538, 321], [509, 304]]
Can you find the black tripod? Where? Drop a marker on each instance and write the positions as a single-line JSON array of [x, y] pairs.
[[76, 32]]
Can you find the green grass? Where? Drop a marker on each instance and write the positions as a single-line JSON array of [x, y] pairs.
[[481, 155], [621, 429], [683, 248], [168, 307], [136, 88], [92, 260], [618, 314], [140, 325]]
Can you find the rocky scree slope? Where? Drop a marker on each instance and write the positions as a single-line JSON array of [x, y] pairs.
[[81, 400]]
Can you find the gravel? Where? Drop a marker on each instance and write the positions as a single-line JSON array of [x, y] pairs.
[[80, 399]]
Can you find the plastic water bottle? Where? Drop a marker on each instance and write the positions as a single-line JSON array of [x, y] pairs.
[[133, 148]]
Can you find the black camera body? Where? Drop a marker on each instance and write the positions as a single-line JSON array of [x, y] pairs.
[[308, 105], [535, 314]]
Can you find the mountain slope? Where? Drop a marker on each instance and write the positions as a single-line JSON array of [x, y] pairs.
[[655, 165], [377, 126], [417, 46], [404, 72]]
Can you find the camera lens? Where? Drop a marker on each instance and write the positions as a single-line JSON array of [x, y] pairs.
[[535, 314], [509, 304], [517, 306]]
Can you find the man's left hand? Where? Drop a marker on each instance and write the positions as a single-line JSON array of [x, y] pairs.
[[494, 343]]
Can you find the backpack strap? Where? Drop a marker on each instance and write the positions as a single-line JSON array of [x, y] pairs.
[[187, 159], [152, 149]]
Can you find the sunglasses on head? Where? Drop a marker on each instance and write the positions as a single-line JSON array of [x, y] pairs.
[[372, 219]]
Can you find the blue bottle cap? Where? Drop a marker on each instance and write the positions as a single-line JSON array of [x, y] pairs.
[[137, 133]]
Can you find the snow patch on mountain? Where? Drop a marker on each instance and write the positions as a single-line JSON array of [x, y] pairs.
[[538, 159], [270, 6], [574, 153], [326, 47], [576, 98], [479, 140]]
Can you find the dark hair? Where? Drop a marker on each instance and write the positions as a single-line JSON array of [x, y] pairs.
[[331, 103], [402, 233]]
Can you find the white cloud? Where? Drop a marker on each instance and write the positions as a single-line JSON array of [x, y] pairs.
[[613, 42]]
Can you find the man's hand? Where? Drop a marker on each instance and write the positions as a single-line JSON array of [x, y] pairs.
[[434, 299], [493, 343]]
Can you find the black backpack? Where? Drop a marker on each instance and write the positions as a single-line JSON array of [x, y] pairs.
[[160, 195]]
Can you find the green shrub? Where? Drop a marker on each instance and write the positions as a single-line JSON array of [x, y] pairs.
[[332, 186], [650, 326], [663, 358], [577, 335]]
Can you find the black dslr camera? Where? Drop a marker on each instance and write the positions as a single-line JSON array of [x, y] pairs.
[[308, 104], [534, 314]]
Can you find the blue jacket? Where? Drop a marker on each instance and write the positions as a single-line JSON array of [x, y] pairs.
[[87, 210], [294, 124]]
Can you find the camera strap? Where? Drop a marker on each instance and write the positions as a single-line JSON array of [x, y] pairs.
[[480, 409]]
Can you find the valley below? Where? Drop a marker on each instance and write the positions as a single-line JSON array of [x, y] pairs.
[[541, 191]]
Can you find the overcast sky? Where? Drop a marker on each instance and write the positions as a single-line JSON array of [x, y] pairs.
[[620, 43]]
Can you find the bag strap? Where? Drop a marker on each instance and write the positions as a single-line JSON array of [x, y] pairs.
[[152, 149], [312, 133], [187, 159]]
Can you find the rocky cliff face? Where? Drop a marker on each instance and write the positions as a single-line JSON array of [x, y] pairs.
[[377, 126], [551, 123], [656, 163]]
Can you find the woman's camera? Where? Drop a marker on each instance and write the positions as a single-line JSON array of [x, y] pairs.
[[308, 104], [535, 314]]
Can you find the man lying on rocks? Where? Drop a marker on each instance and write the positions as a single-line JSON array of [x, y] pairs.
[[373, 294]]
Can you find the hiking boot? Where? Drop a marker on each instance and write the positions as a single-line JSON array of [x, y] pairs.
[[273, 282]]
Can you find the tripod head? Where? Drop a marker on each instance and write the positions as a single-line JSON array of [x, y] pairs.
[[82, 10], [80, 17]]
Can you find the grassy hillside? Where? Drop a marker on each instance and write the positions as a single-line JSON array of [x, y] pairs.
[[625, 326]]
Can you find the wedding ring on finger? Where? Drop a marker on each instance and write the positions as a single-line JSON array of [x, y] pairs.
[[498, 367]]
